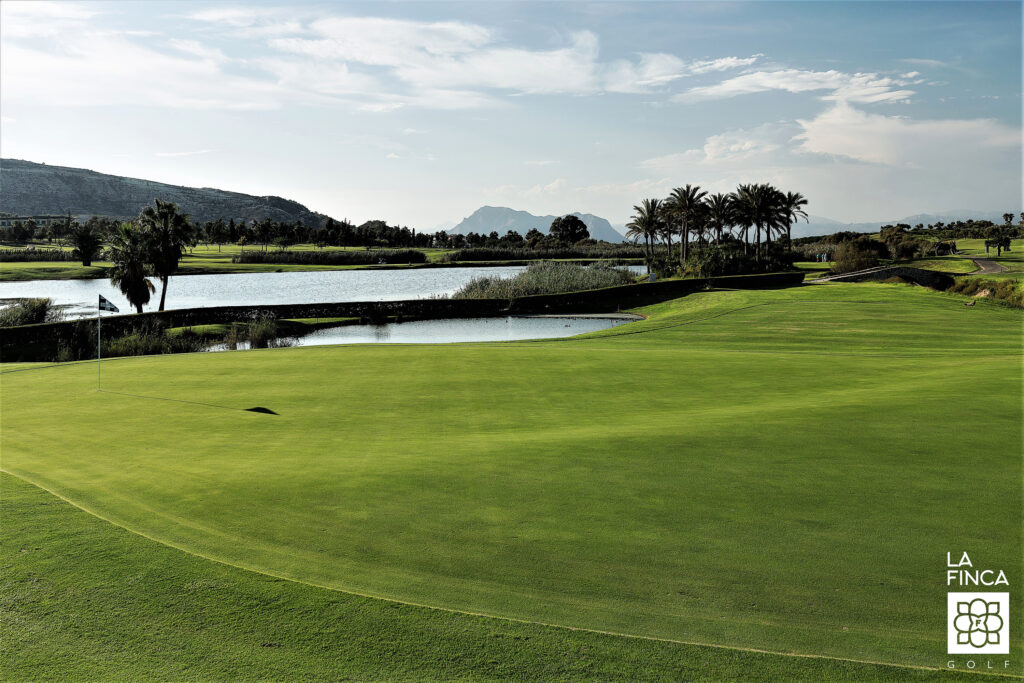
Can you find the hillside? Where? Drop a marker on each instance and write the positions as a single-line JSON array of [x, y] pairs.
[[30, 188], [502, 219]]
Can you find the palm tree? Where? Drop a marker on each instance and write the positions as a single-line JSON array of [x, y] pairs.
[[757, 206], [792, 211], [129, 252], [87, 240], [683, 205], [720, 213], [169, 234], [647, 223]]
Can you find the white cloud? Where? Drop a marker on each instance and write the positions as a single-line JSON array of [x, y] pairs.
[[897, 141], [739, 146], [385, 42], [197, 49], [41, 19], [571, 69], [722, 64], [857, 87], [108, 69], [650, 71]]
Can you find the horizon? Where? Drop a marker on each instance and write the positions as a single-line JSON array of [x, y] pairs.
[[394, 109]]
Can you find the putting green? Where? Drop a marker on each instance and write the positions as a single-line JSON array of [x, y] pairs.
[[782, 470]]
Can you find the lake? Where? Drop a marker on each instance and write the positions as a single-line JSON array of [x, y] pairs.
[[447, 331], [254, 289]]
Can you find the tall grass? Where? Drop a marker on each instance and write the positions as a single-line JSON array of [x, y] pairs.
[[545, 278], [261, 333], [30, 312], [153, 340]]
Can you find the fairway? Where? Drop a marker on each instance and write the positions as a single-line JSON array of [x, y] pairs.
[[783, 470]]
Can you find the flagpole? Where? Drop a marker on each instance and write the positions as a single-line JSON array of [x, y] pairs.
[[99, 348]]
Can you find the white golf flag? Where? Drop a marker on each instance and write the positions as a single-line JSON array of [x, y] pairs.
[[105, 305]]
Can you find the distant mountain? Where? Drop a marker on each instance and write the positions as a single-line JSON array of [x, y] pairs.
[[817, 225], [502, 219], [28, 188]]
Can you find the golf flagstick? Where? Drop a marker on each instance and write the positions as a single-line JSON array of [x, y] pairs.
[[103, 305]]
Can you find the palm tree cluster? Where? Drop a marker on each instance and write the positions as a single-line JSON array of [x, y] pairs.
[[151, 245], [759, 211]]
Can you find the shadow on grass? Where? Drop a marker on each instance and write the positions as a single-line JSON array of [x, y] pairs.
[[257, 409]]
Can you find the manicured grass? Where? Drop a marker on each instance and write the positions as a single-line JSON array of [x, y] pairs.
[[1012, 260], [945, 264], [51, 270], [781, 470], [85, 600]]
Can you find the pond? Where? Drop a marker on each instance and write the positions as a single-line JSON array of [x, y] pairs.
[[254, 289], [453, 330]]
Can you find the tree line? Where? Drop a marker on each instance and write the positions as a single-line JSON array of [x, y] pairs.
[[723, 225]]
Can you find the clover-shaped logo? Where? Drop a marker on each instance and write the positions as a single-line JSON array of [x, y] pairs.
[[978, 623]]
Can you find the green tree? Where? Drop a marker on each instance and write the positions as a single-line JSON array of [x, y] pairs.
[[647, 223], [533, 238], [569, 229], [87, 241], [129, 252], [61, 229], [721, 213], [682, 206], [218, 233], [792, 209], [169, 233], [758, 206]]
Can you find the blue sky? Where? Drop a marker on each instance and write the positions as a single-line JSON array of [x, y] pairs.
[[419, 113]]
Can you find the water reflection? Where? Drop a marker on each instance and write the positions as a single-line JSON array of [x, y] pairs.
[[447, 331]]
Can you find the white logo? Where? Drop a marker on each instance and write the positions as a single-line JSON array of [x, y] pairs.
[[978, 623]]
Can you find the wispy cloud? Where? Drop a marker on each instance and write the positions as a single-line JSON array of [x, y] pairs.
[[721, 64], [856, 87]]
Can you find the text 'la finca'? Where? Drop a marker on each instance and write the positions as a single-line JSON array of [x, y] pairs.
[[956, 575]]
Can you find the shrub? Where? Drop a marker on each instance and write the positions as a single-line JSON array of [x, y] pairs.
[[32, 254], [260, 333], [716, 261], [1005, 291], [545, 278], [150, 338], [333, 258], [858, 254], [30, 312]]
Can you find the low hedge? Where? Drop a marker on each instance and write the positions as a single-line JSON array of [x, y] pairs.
[[332, 258], [27, 255]]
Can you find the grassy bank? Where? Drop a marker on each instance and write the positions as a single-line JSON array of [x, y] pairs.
[[763, 469]]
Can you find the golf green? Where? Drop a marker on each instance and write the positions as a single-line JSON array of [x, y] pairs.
[[783, 470]]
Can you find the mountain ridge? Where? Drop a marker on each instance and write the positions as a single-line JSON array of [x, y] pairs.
[[502, 219], [27, 188]]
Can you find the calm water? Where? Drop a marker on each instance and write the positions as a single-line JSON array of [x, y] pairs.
[[325, 286], [457, 330]]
